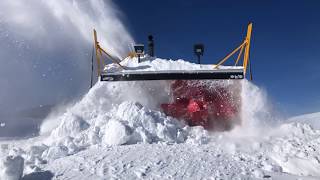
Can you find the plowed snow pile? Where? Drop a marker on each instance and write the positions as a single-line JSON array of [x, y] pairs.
[[118, 131]]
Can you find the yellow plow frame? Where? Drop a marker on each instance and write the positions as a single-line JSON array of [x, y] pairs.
[[244, 46], [243, 49]]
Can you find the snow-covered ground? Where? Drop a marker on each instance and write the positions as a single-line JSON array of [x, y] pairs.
[[117, 131], [312, 119]]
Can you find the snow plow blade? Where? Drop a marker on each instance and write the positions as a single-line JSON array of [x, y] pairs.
[[174, 75]]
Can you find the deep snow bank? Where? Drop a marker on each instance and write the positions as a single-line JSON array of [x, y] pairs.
[[122, 113], [116, 113], [312, 119]]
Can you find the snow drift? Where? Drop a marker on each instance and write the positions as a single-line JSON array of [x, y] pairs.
[[312, 119], [121, 122], [118, 113], [123, 113]]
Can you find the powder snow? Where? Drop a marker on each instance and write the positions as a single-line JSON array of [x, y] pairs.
[[118, 131]]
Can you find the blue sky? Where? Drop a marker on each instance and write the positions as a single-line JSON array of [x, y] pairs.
[[285, 50]]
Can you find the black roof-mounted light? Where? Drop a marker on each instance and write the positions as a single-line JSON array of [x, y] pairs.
[[139, 49], [198, 51]]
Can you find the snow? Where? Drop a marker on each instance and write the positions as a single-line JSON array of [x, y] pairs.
[[312, 119], [11, 167], [117, 131], [55, 152], [297, 152], [158, 64]]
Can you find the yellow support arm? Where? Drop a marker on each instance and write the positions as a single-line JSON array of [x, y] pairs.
[[239, 56], [112, 58], [96, 45], [247, 50], [244, 46], [99, 50], [229, 55]]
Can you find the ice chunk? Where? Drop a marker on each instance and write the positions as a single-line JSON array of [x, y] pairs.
[[11, 167], [55, 152], [116, 133], [71, 125], [258, 173]]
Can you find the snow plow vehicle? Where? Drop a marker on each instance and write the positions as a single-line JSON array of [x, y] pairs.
[[207, 95]]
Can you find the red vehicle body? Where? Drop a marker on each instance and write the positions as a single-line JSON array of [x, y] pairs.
[[211, 104]]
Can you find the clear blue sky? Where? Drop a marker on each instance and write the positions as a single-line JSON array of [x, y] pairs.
[[285, 50]]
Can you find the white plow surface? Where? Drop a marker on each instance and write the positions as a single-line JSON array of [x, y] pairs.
[[117, 131]]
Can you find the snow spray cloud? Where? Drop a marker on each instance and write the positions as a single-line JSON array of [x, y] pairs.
[[45, 49], [257, 113]]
